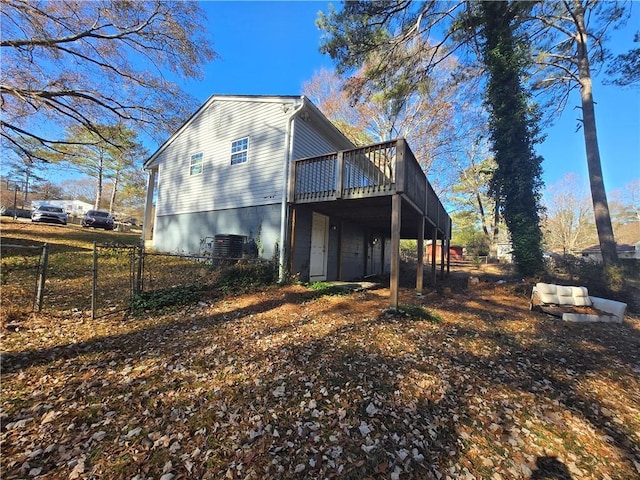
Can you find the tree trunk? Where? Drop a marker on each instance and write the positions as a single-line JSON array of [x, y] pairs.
[[113, 192], [596, 182], [99, 177], [483, 220], [26, 188], [493, 249]]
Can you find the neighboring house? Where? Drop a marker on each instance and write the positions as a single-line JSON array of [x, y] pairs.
[[624, 251], [275, 171], [455, 251], [76, 208]]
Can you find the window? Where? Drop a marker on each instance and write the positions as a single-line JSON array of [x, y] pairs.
[[239, 150], [196, 164]]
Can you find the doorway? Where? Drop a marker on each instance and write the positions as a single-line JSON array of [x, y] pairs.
[[319, 242]]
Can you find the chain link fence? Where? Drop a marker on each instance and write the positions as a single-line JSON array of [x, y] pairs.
[[110, 279], [22, 279], [114, 278]]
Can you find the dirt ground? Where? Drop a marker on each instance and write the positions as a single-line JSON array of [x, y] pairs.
[[294, 383]]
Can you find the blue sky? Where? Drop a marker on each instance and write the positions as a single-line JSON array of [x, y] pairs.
[[272, 48]]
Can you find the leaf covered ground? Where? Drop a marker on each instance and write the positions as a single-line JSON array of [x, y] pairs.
[[292, 383]]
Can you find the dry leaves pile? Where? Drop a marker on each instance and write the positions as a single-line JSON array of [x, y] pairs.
[[289, 384]]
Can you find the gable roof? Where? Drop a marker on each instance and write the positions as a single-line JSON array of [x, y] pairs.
[[298, 100]]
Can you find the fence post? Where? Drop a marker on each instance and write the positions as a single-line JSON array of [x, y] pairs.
[[132, 273], [94, 282], [140, 250], [42, 276]]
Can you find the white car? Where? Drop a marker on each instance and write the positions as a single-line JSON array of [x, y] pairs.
[[50, 214]]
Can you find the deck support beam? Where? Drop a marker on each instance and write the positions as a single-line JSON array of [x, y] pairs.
[[448, 256], [434, 240], [449, 247], [292, 239], [340, 254], [442, 247], [396, 212], [420, 269]]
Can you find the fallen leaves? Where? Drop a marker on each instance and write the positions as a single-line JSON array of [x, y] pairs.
[[281, 384]]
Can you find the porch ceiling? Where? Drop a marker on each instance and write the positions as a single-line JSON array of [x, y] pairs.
[[375, 213]]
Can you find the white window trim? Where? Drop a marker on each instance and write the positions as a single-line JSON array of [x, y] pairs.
[[191, 164], [241, 151]]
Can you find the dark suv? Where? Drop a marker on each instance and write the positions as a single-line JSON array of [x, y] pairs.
[[98, 219]]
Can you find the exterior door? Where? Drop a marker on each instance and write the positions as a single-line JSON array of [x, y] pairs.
[[319, 242]]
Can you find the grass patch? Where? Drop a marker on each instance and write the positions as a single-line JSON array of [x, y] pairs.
[[325, 288], [167, 297]]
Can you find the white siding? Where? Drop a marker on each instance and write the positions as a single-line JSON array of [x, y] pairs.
[[242, 199], [308, 142], [222, 185]]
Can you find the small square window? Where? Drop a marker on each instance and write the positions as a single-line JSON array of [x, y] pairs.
[[195, 167], [239, 151]]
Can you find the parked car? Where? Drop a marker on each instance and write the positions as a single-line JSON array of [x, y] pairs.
[[49, 213], [98, 219]]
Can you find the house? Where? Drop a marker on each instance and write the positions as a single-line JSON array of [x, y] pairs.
[[75, 208], [274, 171], [594, 253]]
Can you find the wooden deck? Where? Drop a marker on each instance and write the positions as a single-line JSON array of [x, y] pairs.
[[379, 186], [359, 185]]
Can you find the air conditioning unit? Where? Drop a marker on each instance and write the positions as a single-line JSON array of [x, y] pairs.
[[228, 246]]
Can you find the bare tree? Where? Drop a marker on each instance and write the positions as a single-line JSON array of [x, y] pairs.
[[106, 61], [423, 114], [568, 226], [626, 203], [471, 191], [49, 191], [327, 90], [83, 189]]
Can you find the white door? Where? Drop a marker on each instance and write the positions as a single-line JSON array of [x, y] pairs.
[[319, 241]]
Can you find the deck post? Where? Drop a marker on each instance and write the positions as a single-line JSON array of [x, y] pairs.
[[340, 229], [292, 181], [449, 247], [442, 247], [434, 240], [340, 174], [292, 239], [396, 212], [420, 269], [400, 165], [42, 276]]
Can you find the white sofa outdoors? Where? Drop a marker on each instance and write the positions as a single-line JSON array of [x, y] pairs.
[[574, 304]]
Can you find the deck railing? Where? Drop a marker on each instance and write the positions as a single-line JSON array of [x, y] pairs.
[[375, 170], [315, 178]]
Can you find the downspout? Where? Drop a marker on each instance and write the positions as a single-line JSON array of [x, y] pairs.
[[284, 213]]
